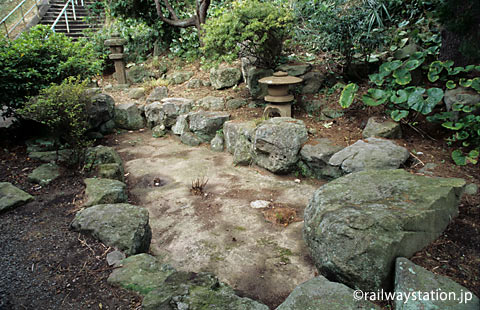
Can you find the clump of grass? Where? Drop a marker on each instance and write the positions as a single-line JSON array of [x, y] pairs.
[[198, 186], [151, 84]]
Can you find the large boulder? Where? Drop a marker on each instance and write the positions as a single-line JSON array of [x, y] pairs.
[[356, 226], [205, 124], [165, 288], [277, 143], [166, 113], [12, 197], [416, 282], [190, 139], [103, 191], [257, 90], [136, 93], [315, 157], [225, 77], [128, 116], [383, 128], [44, 174], [321, 294], [372, 153], [123, 226], [111, 171], [139, 74], [100, 110]]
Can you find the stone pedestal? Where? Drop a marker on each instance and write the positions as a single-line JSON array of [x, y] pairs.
[[116, 44]]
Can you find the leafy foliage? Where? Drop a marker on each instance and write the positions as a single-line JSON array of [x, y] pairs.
[[248, 28], [63, 109], [37, 59]]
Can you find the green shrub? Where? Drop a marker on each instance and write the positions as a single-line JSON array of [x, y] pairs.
[[248, 28], [37, 59], [343, 27], [63, 109]]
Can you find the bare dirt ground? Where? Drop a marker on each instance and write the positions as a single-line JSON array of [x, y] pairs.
[[44, 265]]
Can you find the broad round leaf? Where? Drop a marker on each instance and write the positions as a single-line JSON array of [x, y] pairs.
[[402, 76], [348, 95], [452, 125], [459, 158], [412, 64], [435, 95], [465, 83], [397, 115], [399, 97], [451, 84]]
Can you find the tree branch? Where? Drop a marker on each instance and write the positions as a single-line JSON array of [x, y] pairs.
[[170, 9], [182, 23]]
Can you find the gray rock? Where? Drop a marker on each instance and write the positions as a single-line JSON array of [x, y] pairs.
[[406, 51], [205, 124], [355, 226], [189, 138], [461, 95], [114, 258], [295, 70], [232, 130], [167, 112], [103, 191], [101, 155], [141, 273], [243, 152], [136, 93], [100, 110], [206, 83], [382, 128], [44, 174], [471, 189], [373, 153], [194, 84], [165, 288], [225, 77], [157, 94], [428, 169], [257, 90], [107, 128], [212, 103], [329, 113], [139, 74], [179, 77], [217, 143], [12, 197], [246, 64], [277, 143], [259, 204], [321, 294], [123, 226], [412, 279], [44, 144], [159, 131], [112, 171], [236, 103], [181, 125], [312, 82], [128, 116], [62, 156], [315, 157]]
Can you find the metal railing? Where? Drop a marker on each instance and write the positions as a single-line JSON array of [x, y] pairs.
[[64, 12], [22, 19]]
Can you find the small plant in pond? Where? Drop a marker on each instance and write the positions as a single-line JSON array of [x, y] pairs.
[[198, 186]]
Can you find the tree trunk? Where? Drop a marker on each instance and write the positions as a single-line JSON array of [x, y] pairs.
[[196, 20]]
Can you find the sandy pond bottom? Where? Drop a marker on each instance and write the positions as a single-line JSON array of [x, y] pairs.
[[219, 231]]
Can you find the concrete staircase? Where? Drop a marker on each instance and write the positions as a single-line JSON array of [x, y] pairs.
[[76, 26]]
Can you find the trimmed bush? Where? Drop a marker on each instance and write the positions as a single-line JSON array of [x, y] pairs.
[[37, 59]]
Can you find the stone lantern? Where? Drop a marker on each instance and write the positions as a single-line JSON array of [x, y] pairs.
[[116, 44], [278, 99]]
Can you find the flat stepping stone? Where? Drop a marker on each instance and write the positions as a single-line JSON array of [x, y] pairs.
[[44, 174], [321, 294], [165, 288], [447, 294], [383, 128], [12, 197], [123, 226], [101, 191], [357, 225]]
